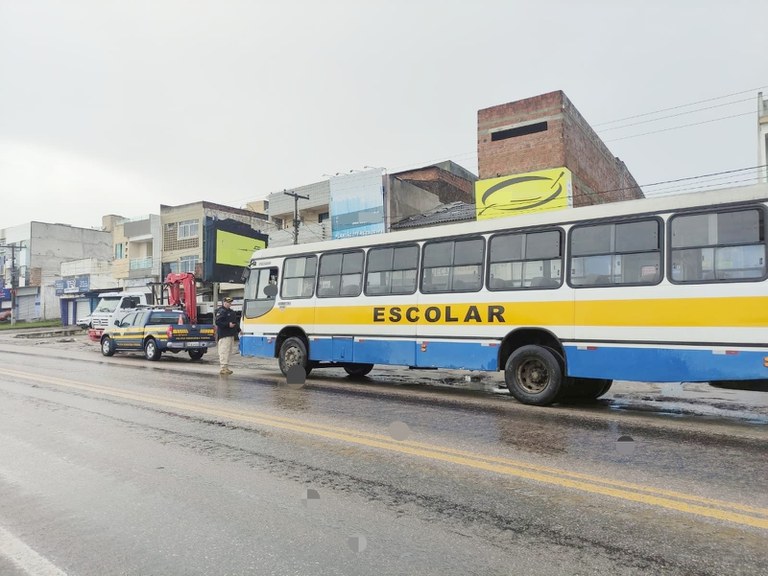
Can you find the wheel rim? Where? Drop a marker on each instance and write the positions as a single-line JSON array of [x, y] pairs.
[[150, 348], [105, 346], [293, 357], [533, 375]]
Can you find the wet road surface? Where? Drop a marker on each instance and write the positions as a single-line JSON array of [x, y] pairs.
[[123, 466]]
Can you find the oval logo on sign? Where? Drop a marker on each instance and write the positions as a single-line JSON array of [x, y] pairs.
[[534, 192]]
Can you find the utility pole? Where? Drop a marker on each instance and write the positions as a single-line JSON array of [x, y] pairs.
[[295, 213], [14, 283]]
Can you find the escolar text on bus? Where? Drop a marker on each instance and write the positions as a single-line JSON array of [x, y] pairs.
[[479, 314]]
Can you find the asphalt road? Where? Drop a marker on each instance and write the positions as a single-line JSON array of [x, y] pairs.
[[123, 466]]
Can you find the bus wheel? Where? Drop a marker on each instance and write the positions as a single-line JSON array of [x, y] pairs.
[[587, 388], [293, 352], [358, 370], [534, 375]]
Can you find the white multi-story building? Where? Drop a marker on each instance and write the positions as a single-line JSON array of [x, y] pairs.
[[39, 249]]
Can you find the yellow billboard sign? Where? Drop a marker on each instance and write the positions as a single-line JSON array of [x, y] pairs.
[[524, 193], [234, 249]]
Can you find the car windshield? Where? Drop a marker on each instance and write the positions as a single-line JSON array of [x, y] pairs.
[[107, 304]]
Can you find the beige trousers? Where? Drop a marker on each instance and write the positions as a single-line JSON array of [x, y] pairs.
[[225, 346]]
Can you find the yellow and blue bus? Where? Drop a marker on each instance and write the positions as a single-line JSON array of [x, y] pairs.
[[657, 290]]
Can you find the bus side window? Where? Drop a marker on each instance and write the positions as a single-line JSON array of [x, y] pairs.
[[299, 277]]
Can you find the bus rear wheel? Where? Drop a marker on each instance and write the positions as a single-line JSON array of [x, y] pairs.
[[587, 388], [358, 370], [293, 352], [534, 375]]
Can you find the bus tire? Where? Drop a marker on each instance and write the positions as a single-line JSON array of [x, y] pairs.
[[293, 352], [587, 388], [151, 351], [534, 375], [358, 370]]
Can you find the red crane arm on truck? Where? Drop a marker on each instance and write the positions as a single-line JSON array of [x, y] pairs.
[[182, 291]]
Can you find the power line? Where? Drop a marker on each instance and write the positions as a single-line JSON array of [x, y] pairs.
[[688, 178], [670, 192], [707, 175], [676, 115], [679, 127], [681, 106]]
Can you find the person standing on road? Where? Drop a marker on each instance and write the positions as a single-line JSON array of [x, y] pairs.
[[226, 329]]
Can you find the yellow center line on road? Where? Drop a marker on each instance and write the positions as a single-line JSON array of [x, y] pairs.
[[690, 504]]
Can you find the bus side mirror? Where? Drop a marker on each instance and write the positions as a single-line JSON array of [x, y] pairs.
[[246, 274]]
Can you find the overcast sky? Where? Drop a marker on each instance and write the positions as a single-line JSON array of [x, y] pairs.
[[120, 106]]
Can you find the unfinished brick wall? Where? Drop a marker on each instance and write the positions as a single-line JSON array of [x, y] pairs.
[[547, 131], [447, 186]]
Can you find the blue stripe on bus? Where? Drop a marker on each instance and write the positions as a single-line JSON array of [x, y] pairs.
[[258, 346], [664, 364], [363, 351], [457, 355], [639, 364], [444, 354], [397, 352]]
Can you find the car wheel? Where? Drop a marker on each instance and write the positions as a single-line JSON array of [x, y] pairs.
[[151, 351], [196, 354], [107, 346]]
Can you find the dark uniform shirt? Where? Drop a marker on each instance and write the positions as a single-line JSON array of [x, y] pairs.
[[223, 317]]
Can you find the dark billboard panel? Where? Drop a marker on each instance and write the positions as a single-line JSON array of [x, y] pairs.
[[229, 246]]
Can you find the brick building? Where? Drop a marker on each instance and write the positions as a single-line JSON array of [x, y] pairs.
[[547, 131]]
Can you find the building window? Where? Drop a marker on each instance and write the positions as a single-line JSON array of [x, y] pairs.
[[322, 216], [187, 264], [519, 131], [187, 229], [119, 254], [279, 223]]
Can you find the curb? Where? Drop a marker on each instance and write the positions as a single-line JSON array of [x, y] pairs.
[[48, 333]]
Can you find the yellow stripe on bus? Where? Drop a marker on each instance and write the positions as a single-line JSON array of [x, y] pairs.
[[738, 312]]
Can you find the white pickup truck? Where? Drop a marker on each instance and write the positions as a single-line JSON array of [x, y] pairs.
[[110, 303]]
